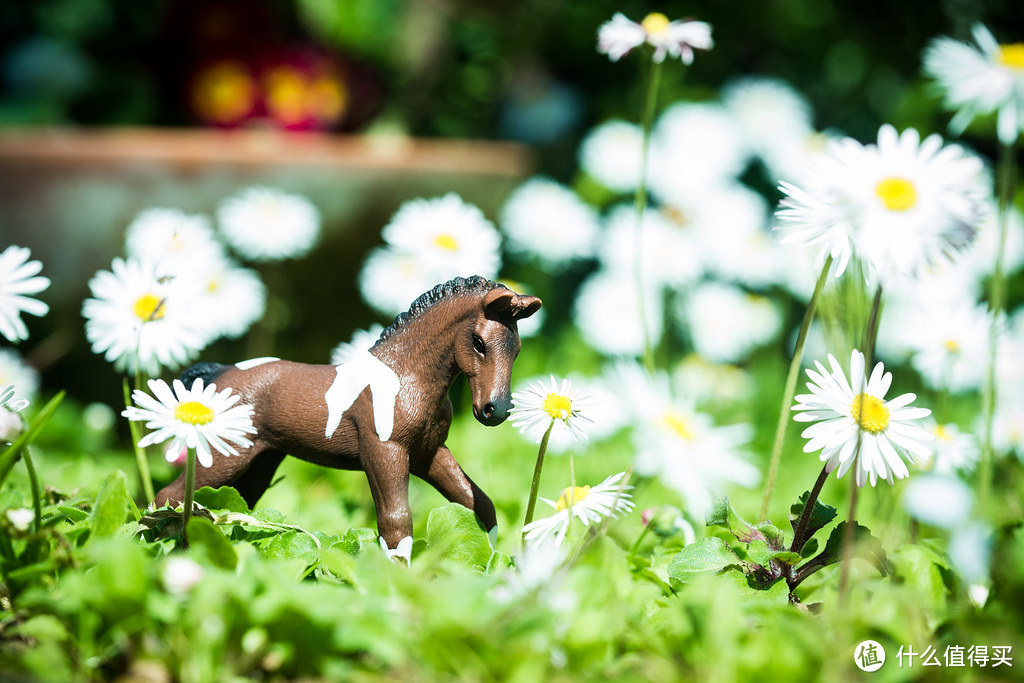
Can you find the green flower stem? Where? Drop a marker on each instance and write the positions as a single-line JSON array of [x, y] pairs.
[[140, 453], [997, 300], [801, 527], [535, 486], [190, 490], [868, 349], [640, 203], [790, 389], [33, 481], [847, 548]]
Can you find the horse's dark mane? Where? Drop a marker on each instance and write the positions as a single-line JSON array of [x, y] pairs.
[[448, 290]]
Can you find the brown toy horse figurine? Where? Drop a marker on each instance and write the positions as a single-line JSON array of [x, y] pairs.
[[386, 412]]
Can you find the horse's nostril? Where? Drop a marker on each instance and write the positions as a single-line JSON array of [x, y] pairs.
[[488, 410]]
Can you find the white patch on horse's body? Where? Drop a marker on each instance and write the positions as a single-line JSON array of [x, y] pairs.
[[364, 370], [253, 362]]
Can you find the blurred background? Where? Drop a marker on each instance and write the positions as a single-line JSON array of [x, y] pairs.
[[108, 107]]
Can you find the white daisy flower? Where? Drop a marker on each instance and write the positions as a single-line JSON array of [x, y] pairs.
[[16, 372], [547, 220], [981, 258], [847, 414], [181, 574], [952, 450], [173, 240], [21, 518], [769, 112], [977, 80], [392, 279], [451, 237], [679, 444], [199, 418], [725, 323], [19, 277], [669, 251], [264, 224], [588, 504], [607, 313], [230, 298], [139, 320], [1008, 427], [689, 131], [729, 225], [899, 206], [949, 344], [557, 405], [537, 567], [362, 340], [611, 153], [940, 500], [619, 36], [715, 382]]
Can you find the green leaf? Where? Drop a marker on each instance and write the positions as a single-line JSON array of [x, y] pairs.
[[356, 539], [821, 515], [113, 505], [223, 498], [290, 545], [721, 514], [706, 555], [203, 534], [810, 547], [773, 535], [455, 530], [72, 514], [865, 545], [763, 554]]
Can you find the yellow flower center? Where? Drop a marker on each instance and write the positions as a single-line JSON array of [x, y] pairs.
[[557, 406], [678, 425], [870, 413], [193, 413], [149, 307], [943, 433], [572, 495], [952, 346], [655, 24], [446, 241], [1012, 56], [898, 194]]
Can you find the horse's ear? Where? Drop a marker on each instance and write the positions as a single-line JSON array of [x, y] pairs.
[[507, 302], [525, 306], [499, 301]]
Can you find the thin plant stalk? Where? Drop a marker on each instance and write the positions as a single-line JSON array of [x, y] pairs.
[[190, 486], [997, 299], [870, 338], [535, 486], [801, 526], [640, 204], [142, 463], [790, 389], [33, 480]]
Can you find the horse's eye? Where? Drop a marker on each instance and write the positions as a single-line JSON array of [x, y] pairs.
[[478, 344]]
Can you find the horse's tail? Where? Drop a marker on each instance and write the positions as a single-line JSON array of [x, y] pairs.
[[206, 371]]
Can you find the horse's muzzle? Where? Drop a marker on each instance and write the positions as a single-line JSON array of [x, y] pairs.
[[493, 413]]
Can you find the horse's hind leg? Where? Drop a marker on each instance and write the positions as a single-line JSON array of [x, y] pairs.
[[253, 482]]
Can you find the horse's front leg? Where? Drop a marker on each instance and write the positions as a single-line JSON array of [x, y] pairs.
[[445, 475], [387, 470]]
